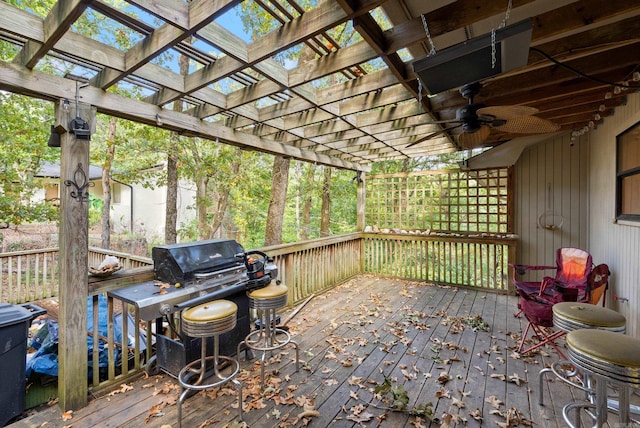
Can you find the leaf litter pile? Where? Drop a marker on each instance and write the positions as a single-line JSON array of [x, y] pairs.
[[425, 367]]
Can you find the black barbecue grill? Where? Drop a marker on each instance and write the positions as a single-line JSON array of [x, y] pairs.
[[190, 274]]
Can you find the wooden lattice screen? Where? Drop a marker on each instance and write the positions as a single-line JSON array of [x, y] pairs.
[[440, 201]]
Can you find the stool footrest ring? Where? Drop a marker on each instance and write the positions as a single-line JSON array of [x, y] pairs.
[[191, 368], [259, 341]]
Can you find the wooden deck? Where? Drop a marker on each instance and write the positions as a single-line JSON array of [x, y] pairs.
[[351, 339]]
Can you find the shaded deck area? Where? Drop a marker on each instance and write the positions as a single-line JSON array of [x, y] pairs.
[[447, 352]]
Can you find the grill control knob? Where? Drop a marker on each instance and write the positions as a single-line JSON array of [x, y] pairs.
[[165, 309]]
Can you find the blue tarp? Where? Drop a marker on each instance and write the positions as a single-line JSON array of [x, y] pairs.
[[45, 359]]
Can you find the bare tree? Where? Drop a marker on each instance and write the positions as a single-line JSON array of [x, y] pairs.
[[171, 213], [307, 203], [105, 235], [275, 215], [325, 212]]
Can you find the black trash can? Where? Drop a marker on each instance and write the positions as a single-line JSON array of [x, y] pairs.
[[14, 331]]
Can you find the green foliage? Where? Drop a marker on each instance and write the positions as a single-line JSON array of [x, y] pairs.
[[398, 397], [24, 134], [95, 210]]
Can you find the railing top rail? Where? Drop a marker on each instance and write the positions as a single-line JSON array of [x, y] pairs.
[[91, 249], [121, 254], [507, 238], [27, 252], [276, 250]]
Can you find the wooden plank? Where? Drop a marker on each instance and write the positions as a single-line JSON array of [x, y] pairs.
[[167, 10], [62, 15], [73, 264], [52, 87], [369, 322]]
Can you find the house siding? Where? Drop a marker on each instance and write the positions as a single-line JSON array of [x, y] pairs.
[[551, 183], [613, 243]]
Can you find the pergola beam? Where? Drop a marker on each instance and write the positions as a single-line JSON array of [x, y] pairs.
[[20, 80]]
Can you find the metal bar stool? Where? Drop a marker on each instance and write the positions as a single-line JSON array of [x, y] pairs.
[[570, 316], [208, 319], [610, 358], [268, 337]]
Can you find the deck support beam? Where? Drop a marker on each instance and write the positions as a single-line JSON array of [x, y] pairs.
[[73, 261]]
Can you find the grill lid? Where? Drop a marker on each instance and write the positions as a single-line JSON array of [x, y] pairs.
[[181, 262]]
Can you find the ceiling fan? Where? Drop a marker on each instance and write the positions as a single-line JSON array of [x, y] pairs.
[[477, 120]]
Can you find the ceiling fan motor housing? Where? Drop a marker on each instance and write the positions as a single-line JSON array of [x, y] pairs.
[[467, 114]]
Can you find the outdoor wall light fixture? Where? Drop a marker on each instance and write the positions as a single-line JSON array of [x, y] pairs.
[[54, 138], [78, 126]]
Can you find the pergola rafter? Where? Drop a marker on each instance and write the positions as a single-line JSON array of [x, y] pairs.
[[348, 99]]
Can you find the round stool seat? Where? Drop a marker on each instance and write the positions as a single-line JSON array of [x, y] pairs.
[[207, 319], [569, 316], [269, 292], [609, 354], [272, 296]]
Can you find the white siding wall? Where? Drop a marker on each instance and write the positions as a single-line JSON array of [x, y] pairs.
[[150, 208], [618, 245], [551, 178]]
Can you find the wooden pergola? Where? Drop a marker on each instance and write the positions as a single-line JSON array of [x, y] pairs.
[[349, 106]]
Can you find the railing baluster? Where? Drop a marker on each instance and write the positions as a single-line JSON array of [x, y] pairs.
[[95, 357]]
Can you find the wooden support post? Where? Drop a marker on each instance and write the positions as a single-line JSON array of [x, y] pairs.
[[73, 261]]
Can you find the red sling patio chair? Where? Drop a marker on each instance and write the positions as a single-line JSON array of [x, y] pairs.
[[573, 267]]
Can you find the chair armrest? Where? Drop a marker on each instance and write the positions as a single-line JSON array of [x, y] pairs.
[[522, 269]]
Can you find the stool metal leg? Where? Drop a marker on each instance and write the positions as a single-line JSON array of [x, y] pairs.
[[201, 371], [266, 339]]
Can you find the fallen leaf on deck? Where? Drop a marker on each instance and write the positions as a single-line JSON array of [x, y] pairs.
[[417, 423], [442, 392], [331, 382], [498, 376], [156, 410], [443, 377], [309, 411], [515, 378], [458, 403], [446, 421], [494, 401], [123, 388], [476, 414], [67, 415]]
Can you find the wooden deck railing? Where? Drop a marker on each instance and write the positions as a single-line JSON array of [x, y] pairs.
[[311, 267], [26, 276], [307, 268], [462, 260]]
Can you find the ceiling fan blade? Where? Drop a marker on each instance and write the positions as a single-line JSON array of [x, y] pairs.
[[507, 112], [471, 140], [432, 135], [528, 125], [435, 122]]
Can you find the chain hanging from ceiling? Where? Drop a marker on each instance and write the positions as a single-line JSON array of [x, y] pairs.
[[493, 33], [432, 51]]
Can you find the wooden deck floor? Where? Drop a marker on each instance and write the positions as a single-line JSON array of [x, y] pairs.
[[351, 339]]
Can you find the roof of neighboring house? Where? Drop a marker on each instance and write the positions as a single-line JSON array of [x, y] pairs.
[[52, 170]]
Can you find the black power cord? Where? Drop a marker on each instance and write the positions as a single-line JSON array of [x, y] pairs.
[[581, 74]]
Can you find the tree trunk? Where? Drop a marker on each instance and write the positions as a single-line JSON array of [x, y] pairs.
[[106, 185], [171, 213], [325, 214], [222, 195], [201, 207], [308, 202], [275, 214]]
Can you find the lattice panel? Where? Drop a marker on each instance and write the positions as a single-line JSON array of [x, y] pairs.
[[440, 201]]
